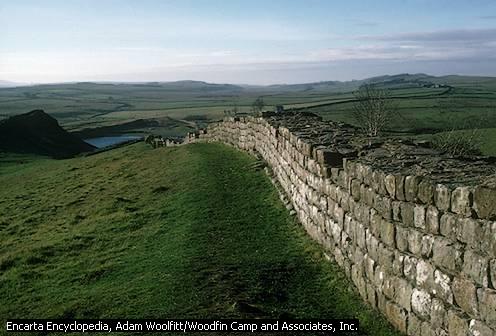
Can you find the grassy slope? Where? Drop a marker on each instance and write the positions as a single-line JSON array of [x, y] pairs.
[[177, 232]]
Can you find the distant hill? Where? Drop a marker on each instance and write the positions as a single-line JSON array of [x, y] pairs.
[[38, 133]]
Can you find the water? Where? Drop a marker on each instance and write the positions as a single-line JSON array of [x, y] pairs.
[[102, 142]]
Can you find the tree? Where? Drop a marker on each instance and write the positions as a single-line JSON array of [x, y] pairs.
[[258, 105], [373, 109]]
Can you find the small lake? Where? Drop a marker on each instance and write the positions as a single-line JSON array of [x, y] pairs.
[[102, 142]]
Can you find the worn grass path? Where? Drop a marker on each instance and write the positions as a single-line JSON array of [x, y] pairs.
[[185, 232]]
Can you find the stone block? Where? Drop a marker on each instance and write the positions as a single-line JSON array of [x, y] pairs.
[[487, 304], [415, 242], [470, 232], [432, 219], [407, 213], [425, 191], [390, 183], [411, 188], [476, 267], [398, 263], [492, 272], [396, 315], [387, 233], [386, 257], [485, 202], [402, 234], [383, 206], [375, 222], [461, 201], [424, 274], [329, 157], [442, 197], [478, 328], [442, 286], [410, 268], [414, 326], [421, 303], [439, 314], [457, 325], [448, 226], [403, 293], [419, 216], [426, 249], [395, 205], [355, 189], [446, 254], [465, 294], [400, 187]]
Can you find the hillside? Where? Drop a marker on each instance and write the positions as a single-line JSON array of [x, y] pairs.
[[190, 231], [38, 133]]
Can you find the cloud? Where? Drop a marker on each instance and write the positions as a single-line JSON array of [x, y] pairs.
[[458, 35]]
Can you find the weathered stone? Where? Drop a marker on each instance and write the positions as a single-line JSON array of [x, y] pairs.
[[442, 197], [398, 263], [331, 158], [390, 184], [403, 293], [387, 231], [461, 201], [407, 213], [485, 202], [477, 328], [419, 216], [421, 302], [427, 242], [396, 315], [457, 326], [414, 326], [438, 314], [386, 257], [395, 205], [465, 294], [400, 187], [426, 191], [410, 268], [470, 232], [442, 286], [402, 238], [476, 267], [411, 187], [415, 242], [432, 219], [492, 272], [487, 304], [425, 274], [446, 254], [355, 189], [383, 205], [448, 226]]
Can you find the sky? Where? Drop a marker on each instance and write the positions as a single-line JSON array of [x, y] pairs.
[[243, 42]]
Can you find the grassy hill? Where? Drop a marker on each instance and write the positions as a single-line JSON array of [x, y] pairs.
[[191, 231]]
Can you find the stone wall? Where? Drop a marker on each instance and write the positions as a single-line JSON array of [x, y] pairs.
[[413, 229]]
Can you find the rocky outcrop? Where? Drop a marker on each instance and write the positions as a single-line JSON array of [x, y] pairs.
[[38, 133], [413, 229]]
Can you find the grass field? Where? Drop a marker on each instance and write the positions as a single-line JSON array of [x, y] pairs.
[[191, 232]]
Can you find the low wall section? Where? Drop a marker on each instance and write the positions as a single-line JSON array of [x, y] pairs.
[[419, 245]]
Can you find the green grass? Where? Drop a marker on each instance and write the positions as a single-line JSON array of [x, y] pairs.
[[185, 232]]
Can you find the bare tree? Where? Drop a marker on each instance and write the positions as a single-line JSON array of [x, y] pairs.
[[258, 105], [373, 109]]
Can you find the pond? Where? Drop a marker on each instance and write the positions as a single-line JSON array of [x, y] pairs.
[[102, 142]]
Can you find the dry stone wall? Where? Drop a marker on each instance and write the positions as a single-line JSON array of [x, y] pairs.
[[414, 230]]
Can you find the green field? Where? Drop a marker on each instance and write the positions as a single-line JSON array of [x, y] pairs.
[[195, 231]]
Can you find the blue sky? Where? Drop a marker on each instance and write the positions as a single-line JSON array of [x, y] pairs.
[[253, 42]]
